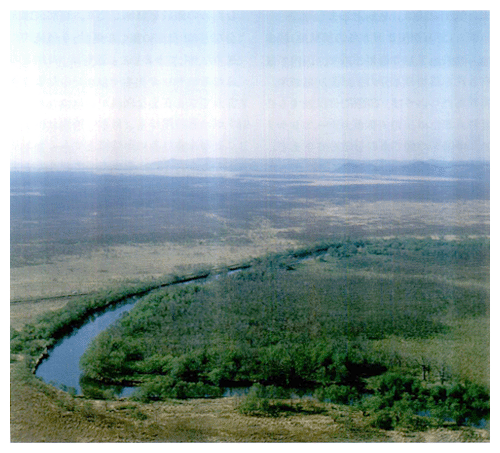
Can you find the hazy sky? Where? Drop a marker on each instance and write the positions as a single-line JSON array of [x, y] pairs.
[[110, 87]]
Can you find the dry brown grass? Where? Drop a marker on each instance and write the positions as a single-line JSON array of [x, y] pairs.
[[383, 215], [22, 313], [115, 264], [40, 413]]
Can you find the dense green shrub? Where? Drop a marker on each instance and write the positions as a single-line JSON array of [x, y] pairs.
[[164, 387], [398, 400], [255, 404], [266, 401], [467, 403], [383, 419], [340, 394]]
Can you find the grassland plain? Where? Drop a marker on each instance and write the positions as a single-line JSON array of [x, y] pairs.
[[45, 276], [78, 232], [101, 266]]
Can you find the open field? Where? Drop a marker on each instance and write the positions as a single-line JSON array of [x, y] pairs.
[[65, 241], [116, 264]]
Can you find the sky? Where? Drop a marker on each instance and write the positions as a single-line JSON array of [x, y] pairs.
[[108, 87]]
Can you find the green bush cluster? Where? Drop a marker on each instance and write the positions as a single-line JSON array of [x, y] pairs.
[[339, 394], [273, 401], [164, 387], [259, 401], [398, 400], [290, 366]]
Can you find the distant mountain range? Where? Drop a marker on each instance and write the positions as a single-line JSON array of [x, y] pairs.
[[477, 170], [431, 168]]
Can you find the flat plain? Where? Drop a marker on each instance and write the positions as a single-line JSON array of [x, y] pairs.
[[74, 233]]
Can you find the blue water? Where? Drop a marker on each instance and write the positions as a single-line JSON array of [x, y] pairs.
[[62, 367]]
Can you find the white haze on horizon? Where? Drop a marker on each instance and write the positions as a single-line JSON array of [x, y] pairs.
[[109, 88]]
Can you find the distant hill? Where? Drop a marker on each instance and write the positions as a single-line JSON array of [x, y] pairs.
[[434, 168], [250, 165], [462, 170]]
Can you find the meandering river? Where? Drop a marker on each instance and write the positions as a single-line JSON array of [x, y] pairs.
[[62, 366]]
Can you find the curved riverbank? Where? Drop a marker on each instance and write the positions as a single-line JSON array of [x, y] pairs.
[[81, 312], [62, 357]]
